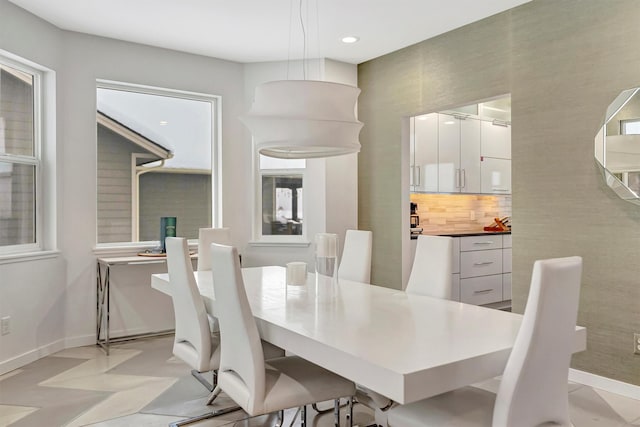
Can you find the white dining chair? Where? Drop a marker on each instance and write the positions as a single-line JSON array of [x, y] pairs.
[[194, 342], [355, 263], [534, 387], [207, 236], [259, 386], [431, 273]]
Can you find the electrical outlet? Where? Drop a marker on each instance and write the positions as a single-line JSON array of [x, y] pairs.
[[5, 325], [636, 343]]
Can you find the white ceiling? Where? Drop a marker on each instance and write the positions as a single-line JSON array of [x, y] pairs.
[[259, 30]]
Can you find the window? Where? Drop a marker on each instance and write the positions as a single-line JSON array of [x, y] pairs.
[[20, 148], [281, 202], [156, 149]]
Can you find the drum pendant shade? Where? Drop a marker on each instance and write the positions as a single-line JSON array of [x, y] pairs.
[[302, 119]]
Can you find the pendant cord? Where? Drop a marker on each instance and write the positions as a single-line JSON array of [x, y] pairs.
[[290, 37], [304, 45]]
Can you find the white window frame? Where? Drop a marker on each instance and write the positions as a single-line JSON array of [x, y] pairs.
[[259, 239], [216, 161], [35, 160]]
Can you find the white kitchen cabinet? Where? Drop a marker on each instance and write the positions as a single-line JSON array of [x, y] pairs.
[[484, 269], [495, 176], [425, 153], [458, 154], [481, 268], [495, 140]]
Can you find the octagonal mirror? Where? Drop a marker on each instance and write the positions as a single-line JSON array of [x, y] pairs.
[[617, 146]]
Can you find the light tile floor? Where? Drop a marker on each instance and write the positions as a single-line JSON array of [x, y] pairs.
[[141, 384]]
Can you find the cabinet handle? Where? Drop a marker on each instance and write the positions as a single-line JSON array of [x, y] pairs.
[[464, 178], [483, 263], [412, 173], [488, 242], [499, 189], [484, 291], [457, 178], [420, 176], [497, 122]]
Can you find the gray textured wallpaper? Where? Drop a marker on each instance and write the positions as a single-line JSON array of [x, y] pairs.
[[563, 62]]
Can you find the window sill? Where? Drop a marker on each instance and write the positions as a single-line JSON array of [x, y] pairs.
[[265, 243], [28, 256]]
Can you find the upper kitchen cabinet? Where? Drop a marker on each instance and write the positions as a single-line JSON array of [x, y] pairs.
[[496, 139], [462, 150], [424, 153], [458, 154]]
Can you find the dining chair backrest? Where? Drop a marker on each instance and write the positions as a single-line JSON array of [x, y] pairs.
[[534, 386], [242, 372], [356, 256], [432, 269], [192, 342], [207, 236]]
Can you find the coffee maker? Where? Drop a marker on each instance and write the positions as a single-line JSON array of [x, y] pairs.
[[414, 219]]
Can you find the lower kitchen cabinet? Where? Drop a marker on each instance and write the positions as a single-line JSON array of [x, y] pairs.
[[481, 268]]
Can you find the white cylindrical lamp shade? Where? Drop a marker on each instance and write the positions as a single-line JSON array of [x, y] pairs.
[[298, 119]]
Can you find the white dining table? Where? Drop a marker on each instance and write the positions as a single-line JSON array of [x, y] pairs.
[[406, 347]]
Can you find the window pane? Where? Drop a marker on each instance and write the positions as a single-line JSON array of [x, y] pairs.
[[154, 160], [282, 205], [16, 112], [17, 204]]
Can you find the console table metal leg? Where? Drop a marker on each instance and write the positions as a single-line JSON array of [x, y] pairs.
[[102, 305]]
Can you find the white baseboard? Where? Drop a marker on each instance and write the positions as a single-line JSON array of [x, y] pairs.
[[31, 356], [604, 383]]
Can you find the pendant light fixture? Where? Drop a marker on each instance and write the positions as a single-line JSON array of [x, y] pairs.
[[301, 119]]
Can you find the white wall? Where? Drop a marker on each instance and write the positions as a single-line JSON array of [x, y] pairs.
[[52, 301]]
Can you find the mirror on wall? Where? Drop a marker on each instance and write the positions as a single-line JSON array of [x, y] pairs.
[[617, 146]]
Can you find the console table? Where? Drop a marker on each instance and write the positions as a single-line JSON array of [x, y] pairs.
[[103, 276]]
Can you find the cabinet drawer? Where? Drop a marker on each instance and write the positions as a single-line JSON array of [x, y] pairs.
[[480, 243], [506, 260], [506, 286], [480, 263], [481, 290]]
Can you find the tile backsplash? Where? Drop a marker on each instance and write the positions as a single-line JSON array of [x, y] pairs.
[[459, 212]]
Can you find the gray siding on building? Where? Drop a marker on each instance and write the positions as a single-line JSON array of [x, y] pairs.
[[185, 196], [114, 187]]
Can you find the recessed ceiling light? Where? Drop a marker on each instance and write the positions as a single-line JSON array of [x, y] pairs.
[[450, 122], [163, 122], [350, 39], [422, 117]]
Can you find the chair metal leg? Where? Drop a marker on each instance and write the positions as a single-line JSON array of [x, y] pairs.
[[323, 411], [205, 416], [280, 421], [203, 380], [303, 416], [336, 412], [350, 412], [216, 391]]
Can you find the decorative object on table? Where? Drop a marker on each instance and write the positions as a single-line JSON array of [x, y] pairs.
[[302, 119], [296, 273], [167, 229], [499, 224], [326, 255]]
